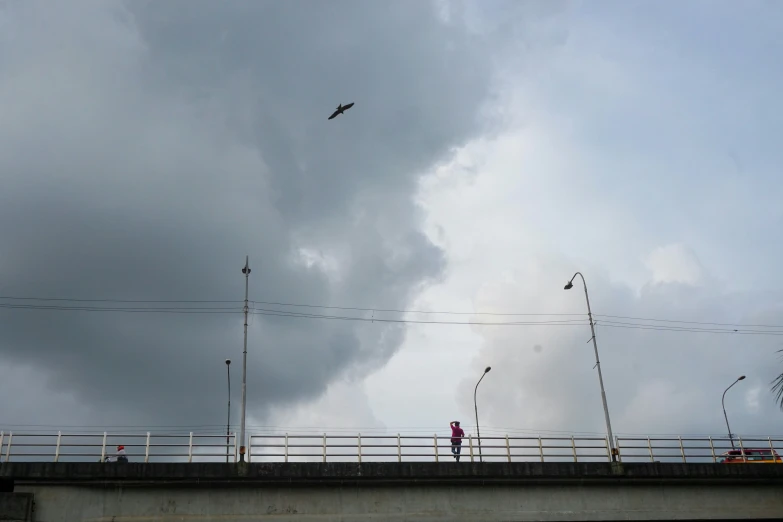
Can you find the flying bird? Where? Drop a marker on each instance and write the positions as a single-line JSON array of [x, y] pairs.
[[340, 109]]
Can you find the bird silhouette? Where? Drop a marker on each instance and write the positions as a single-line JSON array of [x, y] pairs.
[[340, 109]]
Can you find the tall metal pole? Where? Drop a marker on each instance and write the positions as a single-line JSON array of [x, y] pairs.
[[475, 407], [228, 418], [723, 403], [246, 271], [597, 365]]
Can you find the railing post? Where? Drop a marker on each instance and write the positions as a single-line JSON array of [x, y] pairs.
[[234, 438], [742, 449], [190, 447], [508, 449], [103, 448], [470, 445], [8, 447], [435, 441], [772, 450], [147, 449], [399, 449], [573, 448], [712, 451], [57, 448], [541, 448], [324, 447], [649, 446], [359, 444], [286, 447], [249, 447], [682, 449], [2, 436]]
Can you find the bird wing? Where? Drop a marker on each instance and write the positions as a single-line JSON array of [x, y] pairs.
[[346, 107], [334, 114]]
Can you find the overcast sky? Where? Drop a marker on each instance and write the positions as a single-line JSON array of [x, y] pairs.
[[495, 148]]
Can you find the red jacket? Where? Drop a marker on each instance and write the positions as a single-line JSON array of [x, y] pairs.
[[456, 434]]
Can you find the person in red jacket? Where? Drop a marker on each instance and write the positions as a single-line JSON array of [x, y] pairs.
[[456, 438]]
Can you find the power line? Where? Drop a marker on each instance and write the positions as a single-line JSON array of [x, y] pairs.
[[34, 429], [279, 303], [689, 322], [394, 310], [608, 324], [662, 328], [169, 310], [283, 313], [665, 324], [16, 298]]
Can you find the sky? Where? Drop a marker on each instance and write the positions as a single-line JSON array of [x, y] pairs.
[[495, 148]]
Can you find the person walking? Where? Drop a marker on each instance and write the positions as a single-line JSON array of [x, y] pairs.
[[456, 439]]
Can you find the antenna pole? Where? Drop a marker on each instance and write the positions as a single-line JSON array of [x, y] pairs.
[[246, 271]]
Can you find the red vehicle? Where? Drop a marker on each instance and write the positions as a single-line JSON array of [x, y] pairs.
[[751, 456]]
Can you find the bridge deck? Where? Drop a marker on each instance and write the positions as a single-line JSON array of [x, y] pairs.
[[377, 473]]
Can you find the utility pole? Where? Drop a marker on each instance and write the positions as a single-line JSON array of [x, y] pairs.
[[246, 271]]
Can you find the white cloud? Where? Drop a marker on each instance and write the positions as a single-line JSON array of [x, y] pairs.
[[752, 397], [574, 183], [674, 264]]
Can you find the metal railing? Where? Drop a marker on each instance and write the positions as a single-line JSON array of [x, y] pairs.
[[64, 447], [399, 448], [147, 447], [693, 450]]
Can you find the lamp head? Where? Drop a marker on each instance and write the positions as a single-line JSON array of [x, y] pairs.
[[228, 361], [569, 285], [487, 369], [742, 377]]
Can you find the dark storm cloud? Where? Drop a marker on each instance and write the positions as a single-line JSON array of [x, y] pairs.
[[146, 148]]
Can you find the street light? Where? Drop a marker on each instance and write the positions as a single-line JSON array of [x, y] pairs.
[[569, 286], [475, 407], [723, 403], [228, 420]]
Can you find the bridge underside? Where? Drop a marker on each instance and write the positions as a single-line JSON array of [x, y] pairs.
[[393, 492]]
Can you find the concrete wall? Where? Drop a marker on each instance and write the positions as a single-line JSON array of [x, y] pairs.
[[410, 492], [16, 507], [556, 502]]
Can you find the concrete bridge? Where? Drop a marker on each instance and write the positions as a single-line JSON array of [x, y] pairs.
[[388, 491]]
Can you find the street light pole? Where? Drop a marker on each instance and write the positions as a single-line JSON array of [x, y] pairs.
[[723, 403], [475, 407], [246, 271], [228, 419], [568, 286]]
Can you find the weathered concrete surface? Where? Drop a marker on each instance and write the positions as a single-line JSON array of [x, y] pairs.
[[279, 474], [16, 507], [412, 492], [425, 503]]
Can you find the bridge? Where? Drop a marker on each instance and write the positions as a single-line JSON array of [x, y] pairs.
[[57, 477]]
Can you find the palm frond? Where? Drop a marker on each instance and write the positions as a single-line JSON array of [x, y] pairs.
[[777, 388]]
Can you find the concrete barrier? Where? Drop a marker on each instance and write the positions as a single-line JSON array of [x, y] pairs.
[[16, 507], [415, 492]]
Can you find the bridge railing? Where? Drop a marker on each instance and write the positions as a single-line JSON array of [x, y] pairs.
[[411, 448], [192, 447], [399, 448], [139, 447], [690, 449]]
